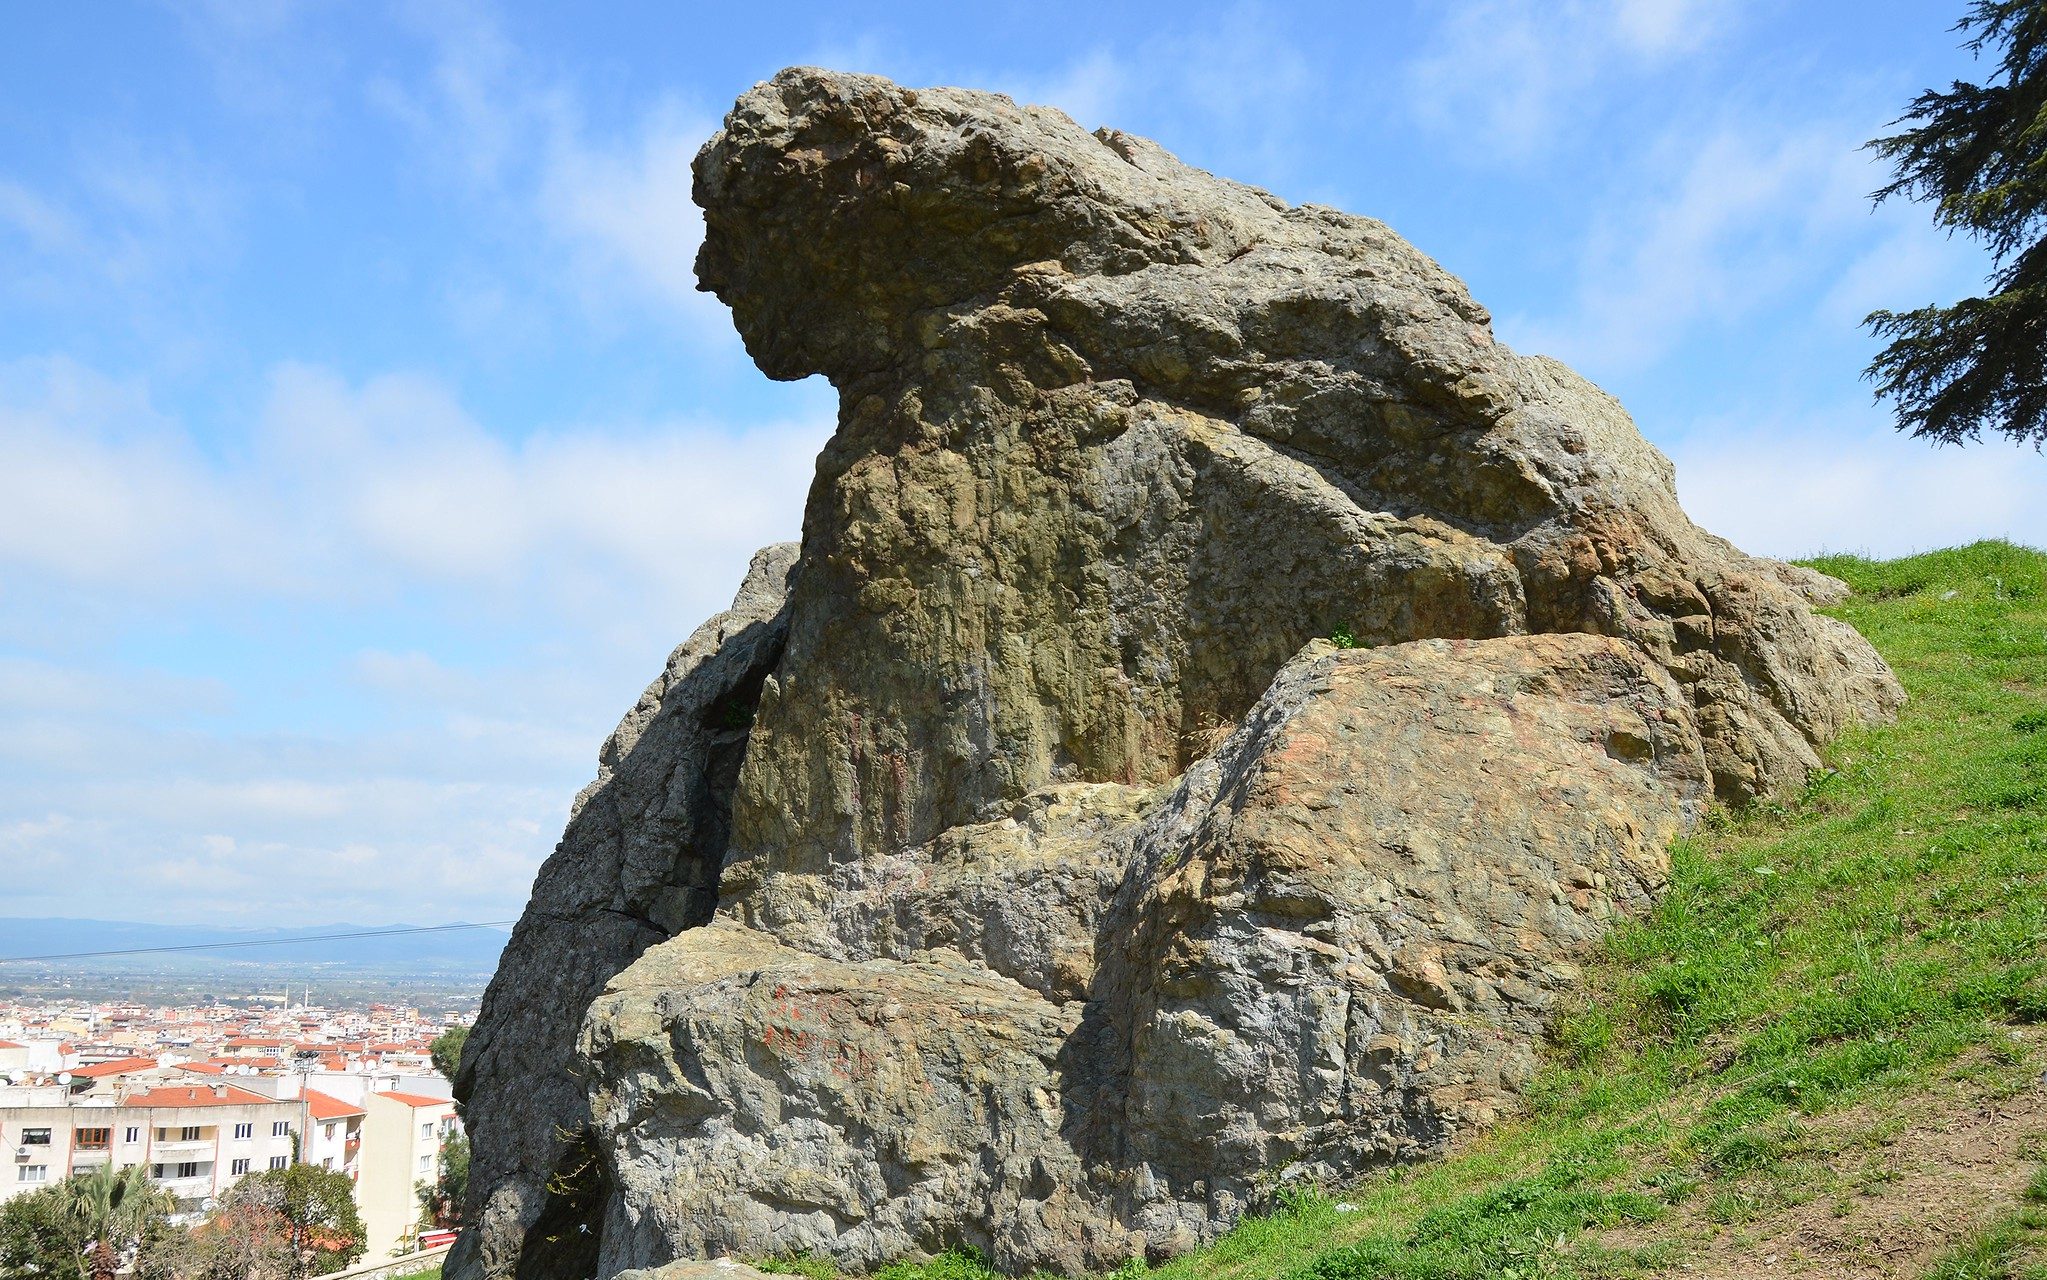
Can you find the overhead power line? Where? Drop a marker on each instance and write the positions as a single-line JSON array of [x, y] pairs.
[[258, 942]]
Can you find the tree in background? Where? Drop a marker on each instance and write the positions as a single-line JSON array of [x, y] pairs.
[[311, 1210], [440, 1205], [1979, 152], [446, 1051], [112, 1210], [238, 1242], [38, 1239], [87, 1227]]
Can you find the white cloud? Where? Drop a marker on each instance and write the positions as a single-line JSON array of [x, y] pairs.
[[1229, 88], [47, 228], [1723, 224], [1660, 28], [1092, 88], [1793, 489], [1913, 265], [627, 213], [117, 220], [38, 686], [349, 492], [615, 216], [1504, 79], [574, 558], [471, 115], [95, 486]]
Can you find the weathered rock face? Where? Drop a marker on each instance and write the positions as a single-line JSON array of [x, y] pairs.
[[1316, 956], [638, 864], [1071, 893]]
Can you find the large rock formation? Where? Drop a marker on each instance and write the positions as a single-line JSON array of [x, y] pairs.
[[1073, 888]]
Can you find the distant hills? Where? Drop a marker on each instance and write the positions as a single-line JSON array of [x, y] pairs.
[[458, 950]]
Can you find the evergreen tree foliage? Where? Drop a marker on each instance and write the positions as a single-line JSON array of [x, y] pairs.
[[440, 1203], [1979, 153], [446, 1051]]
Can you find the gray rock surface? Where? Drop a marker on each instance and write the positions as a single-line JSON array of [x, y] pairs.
[[711, 1269], [638, 863], [1332, 943], [1075, 892]]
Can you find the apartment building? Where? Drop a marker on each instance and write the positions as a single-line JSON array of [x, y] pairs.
[[333, 1132], [202, 1138], [401, 1150], [196, 1140]]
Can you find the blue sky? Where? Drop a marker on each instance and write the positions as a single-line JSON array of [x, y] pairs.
[[364, 445]]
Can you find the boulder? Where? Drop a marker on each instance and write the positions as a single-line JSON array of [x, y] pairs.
[[1219, 693], [1331, 943]]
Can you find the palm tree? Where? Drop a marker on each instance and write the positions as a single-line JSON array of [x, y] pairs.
[[112, 1209]]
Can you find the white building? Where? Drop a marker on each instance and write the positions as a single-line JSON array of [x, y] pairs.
[[333, 1133], [196, 1140], [402, 1135]]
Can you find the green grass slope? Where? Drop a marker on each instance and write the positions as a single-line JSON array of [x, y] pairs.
[[1855, 943], [1831, 990]]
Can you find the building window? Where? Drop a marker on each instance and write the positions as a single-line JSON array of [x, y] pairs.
[[33, 1172], [327, 1162], [427, 1130], [245, 1130], [190, 1133], [328, 1132], [35, 1137], [426, 1165], [188, 1169], [134, 1134], [278, 1162], [239, 1167], [280, 1129], [94, 1139]]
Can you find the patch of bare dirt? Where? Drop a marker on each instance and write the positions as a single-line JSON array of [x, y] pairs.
[[1881, 1190]]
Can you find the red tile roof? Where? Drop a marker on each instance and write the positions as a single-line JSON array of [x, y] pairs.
[[416, 1100], [326, 1107], [203, 1095], [9, 1044], [118, 1067]]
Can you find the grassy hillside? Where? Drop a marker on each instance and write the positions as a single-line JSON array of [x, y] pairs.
[[1822, 1053]]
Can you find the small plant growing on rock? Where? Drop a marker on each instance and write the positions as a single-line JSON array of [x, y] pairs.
[[1343, 637]]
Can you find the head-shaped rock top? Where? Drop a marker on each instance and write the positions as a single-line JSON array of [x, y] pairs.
[[839, 207]]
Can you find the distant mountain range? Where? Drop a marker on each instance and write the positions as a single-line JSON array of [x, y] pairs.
[[458, 950]]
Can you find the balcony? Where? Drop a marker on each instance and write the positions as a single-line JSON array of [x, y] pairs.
[[181, 1149]]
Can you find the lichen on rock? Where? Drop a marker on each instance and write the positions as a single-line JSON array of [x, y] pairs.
[[1070, 891]]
